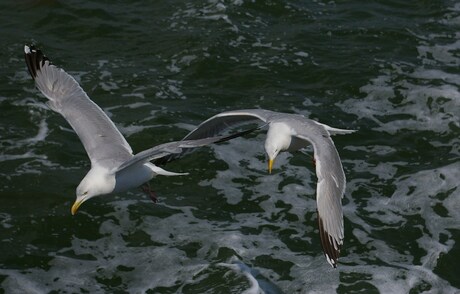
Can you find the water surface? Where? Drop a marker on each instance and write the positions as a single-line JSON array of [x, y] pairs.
[[388, 69]]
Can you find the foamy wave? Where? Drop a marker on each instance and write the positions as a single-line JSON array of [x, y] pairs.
[[171, 89], [397, 105], [412, 97]]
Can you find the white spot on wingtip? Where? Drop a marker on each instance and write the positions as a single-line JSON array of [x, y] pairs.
[[331, 261], [26, 49]]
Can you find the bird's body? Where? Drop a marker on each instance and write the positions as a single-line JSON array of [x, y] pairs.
[[114, 167], [291, 132]]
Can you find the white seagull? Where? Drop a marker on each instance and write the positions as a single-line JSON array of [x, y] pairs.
[[114, 168], [290, 132]]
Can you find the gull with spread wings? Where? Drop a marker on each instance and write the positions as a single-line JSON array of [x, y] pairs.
[[290, 132], [114, 168]]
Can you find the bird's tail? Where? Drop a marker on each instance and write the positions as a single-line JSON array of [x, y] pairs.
[[335, 131], [159, 171]]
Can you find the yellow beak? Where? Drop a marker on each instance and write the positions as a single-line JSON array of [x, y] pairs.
[[270, 165], [75, 206]]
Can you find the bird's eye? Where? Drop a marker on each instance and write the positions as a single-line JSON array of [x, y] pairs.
[[84, 194]]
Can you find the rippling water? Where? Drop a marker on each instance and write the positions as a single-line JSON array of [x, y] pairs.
[[388, 69]]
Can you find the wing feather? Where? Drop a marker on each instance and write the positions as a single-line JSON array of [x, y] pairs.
[[329, 191], [218, 124], [167, 149], [101, 139]]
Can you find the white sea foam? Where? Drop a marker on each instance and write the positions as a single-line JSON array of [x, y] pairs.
[[5, 220], [240, 267], [424, 99], [415, 194], [135, 95], [111, 256], [166, 264], [422, 108], [423, 103], [41, 135], [109, 86], [302, 54], [382, 198], [171, 89]]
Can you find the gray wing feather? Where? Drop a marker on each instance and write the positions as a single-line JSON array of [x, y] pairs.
[[329, 192], [225, 120], [167, 149], [102, 141], [219, 123]]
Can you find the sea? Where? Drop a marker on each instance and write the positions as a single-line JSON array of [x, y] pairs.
[[387, 69]]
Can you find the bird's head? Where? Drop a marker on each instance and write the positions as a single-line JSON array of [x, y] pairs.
[[278, 140], [96, 182], [272, 151]]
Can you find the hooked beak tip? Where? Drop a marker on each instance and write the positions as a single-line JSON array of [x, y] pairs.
[[75, 206], [270, 165]]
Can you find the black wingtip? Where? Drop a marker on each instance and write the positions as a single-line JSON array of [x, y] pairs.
[[35, 59], [236, 135], [332, 254]]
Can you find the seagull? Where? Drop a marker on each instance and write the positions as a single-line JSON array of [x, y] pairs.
[[291, 132], [114, 168]]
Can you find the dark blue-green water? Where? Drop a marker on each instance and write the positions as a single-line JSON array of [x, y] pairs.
[[389, 69]]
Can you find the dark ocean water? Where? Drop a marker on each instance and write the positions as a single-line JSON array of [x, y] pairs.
[[389, 69]]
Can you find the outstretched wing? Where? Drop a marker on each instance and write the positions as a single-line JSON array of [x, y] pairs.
[[225, 120], [167, 149], [329, 191], [221, 122], [102, 141]]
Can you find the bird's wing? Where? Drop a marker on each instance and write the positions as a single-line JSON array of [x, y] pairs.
[[102, 141], [221, 122], [166, 149], [225, 120], [329, 191]]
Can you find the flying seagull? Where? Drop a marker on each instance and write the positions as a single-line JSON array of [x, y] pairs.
[[114, 168], [290, 132]]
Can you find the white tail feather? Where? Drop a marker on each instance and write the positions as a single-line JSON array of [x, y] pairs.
[[335, 131], [159, 171]]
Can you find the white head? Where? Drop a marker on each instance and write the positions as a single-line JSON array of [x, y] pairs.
[[96, 182], [278, 140]]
